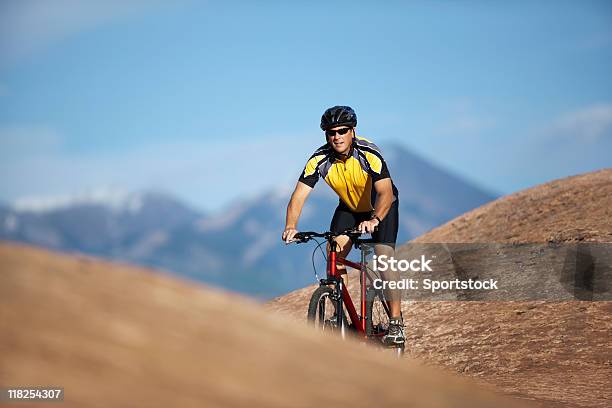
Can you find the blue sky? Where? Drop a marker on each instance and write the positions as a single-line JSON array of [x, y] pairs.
[[213, 101]]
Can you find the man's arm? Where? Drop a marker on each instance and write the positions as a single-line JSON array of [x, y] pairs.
[[384, 199], [294, 209]]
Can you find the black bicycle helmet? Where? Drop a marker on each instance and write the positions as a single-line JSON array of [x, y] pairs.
[[338, 116]]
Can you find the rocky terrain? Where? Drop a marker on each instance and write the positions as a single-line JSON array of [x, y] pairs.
[[117, 335], [555, 353]]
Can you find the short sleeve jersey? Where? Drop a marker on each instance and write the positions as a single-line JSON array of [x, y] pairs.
[[352, 178]]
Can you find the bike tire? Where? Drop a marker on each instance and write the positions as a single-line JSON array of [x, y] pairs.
[[377, 318], [320, 316]]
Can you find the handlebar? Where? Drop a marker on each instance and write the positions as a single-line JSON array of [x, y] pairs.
[[352, 233]]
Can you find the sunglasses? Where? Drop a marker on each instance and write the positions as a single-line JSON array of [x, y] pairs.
[[331, 133]]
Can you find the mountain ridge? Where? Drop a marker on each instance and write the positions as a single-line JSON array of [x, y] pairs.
[[239, 247]]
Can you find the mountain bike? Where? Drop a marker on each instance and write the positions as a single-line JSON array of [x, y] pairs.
[[331, 301]]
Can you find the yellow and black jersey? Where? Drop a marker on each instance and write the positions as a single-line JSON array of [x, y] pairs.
[[350, 178]]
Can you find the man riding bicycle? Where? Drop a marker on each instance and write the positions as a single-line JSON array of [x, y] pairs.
[[355, 169]]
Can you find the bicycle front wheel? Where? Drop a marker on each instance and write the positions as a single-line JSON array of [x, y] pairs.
[[322, 309]]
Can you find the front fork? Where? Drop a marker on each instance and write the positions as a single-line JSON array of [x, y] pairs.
[[333, 273]]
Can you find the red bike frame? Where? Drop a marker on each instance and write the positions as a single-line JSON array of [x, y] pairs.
[[358, 321]]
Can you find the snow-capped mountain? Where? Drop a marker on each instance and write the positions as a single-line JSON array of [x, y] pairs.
[[95, 226]]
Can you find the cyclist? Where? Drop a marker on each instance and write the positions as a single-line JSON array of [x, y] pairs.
[[355, 169]]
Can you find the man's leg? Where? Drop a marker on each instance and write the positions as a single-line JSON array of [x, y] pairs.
[[342, 220], [344, 247], [390, 275], [386, 236], [395, 336]]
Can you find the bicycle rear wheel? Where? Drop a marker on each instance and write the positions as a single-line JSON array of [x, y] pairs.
[[322, 309], [377, 314]]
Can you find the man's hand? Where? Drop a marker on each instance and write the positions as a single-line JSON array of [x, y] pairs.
[[288, 234], [368, 226], [294, 209]]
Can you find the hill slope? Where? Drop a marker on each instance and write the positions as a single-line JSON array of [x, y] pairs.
[[575, 208], [114, 336], [554, 352]]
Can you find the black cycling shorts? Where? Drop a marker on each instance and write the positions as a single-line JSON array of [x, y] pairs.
[[344, 219]]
